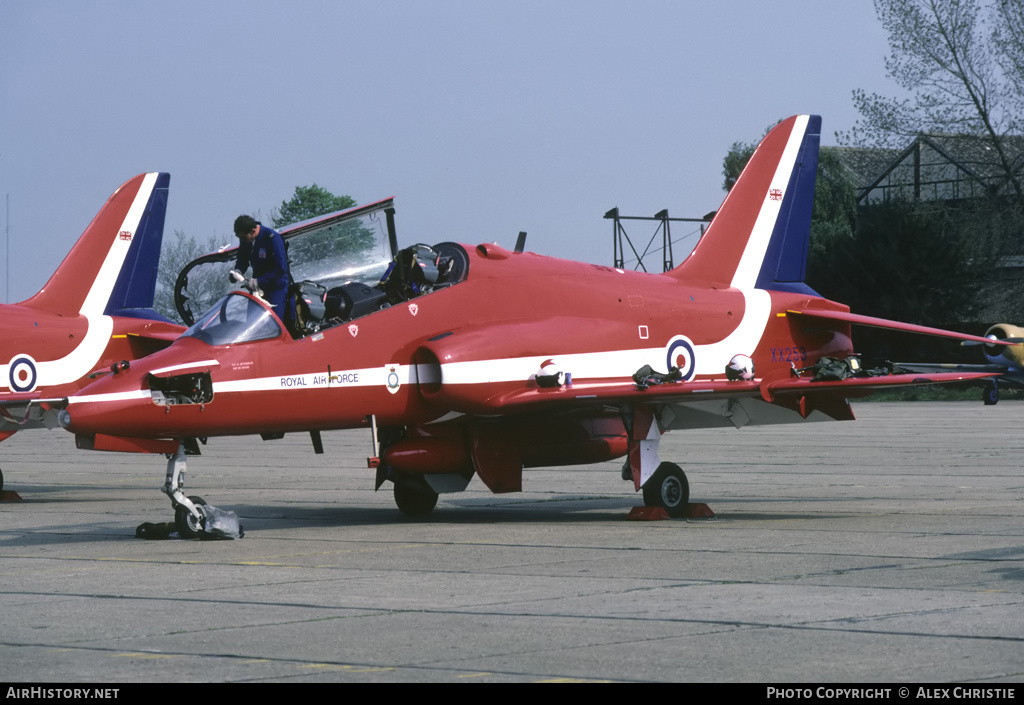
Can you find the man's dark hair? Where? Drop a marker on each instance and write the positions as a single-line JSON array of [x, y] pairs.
[[244, 224]]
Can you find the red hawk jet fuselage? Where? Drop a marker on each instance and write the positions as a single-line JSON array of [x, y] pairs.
[[500, 360]]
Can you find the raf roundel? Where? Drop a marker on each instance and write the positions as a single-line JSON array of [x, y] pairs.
[[679, 353], [21, 374]]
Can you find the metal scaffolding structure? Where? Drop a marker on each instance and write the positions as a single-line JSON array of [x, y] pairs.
[[620, 236]]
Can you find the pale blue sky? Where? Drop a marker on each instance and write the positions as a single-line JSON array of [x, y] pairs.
[[482, 118]]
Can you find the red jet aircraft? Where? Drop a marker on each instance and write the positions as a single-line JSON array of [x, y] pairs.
[[95, 310], [479, 360]]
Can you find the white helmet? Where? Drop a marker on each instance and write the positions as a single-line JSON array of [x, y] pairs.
[[550, 375], [740, 367]]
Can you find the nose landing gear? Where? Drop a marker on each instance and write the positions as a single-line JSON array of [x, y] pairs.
[[193, 517]]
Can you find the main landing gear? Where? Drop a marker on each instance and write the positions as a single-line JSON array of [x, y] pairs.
[[414, 497], [669, 489], [990, 394]]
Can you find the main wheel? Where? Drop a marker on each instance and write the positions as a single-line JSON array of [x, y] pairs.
[[990, 395], [415, 501], [669, 489], [1, 480], [188, 526]]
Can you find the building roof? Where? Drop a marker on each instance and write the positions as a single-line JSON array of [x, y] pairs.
[[936, 166]]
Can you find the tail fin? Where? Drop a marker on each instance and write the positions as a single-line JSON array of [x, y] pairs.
[[760, 236], [112, 268]]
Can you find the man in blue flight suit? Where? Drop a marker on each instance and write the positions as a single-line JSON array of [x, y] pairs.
[[263, 248]]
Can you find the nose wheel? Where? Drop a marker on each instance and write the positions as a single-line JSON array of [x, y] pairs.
[[190, 526]]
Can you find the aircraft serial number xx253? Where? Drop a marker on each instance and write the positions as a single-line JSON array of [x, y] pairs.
[[480, 360]]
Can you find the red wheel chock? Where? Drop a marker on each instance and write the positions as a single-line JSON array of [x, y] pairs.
[[693, 511]]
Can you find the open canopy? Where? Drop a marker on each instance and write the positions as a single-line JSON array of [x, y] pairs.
[[356, 244]]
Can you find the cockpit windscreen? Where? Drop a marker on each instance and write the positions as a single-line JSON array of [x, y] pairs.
[[236, 318]]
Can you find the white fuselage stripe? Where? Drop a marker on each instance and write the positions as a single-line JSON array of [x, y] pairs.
[[614, 364], [185, 366]]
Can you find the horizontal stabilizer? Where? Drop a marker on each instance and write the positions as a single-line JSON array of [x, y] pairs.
[[871, 321]]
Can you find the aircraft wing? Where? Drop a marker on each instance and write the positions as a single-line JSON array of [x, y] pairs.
[[1010, 375], [770, 389]]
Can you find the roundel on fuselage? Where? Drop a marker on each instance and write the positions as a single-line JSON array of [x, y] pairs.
[[679, 353], [21, 374]]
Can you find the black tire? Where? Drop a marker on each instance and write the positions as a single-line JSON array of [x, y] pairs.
[[669, 489], [1, 480], [188, 526], [415, 502], [990, 395]]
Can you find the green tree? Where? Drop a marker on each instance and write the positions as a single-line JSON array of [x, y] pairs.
[[333, 253], [309, 202], [737, 157], [834, 213], [909, 261], [915, 261]]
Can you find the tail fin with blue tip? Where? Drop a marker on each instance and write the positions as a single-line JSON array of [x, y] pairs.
[[760, 236], [112, 268]]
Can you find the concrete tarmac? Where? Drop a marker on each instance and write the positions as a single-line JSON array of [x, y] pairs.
[[886, 550]]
